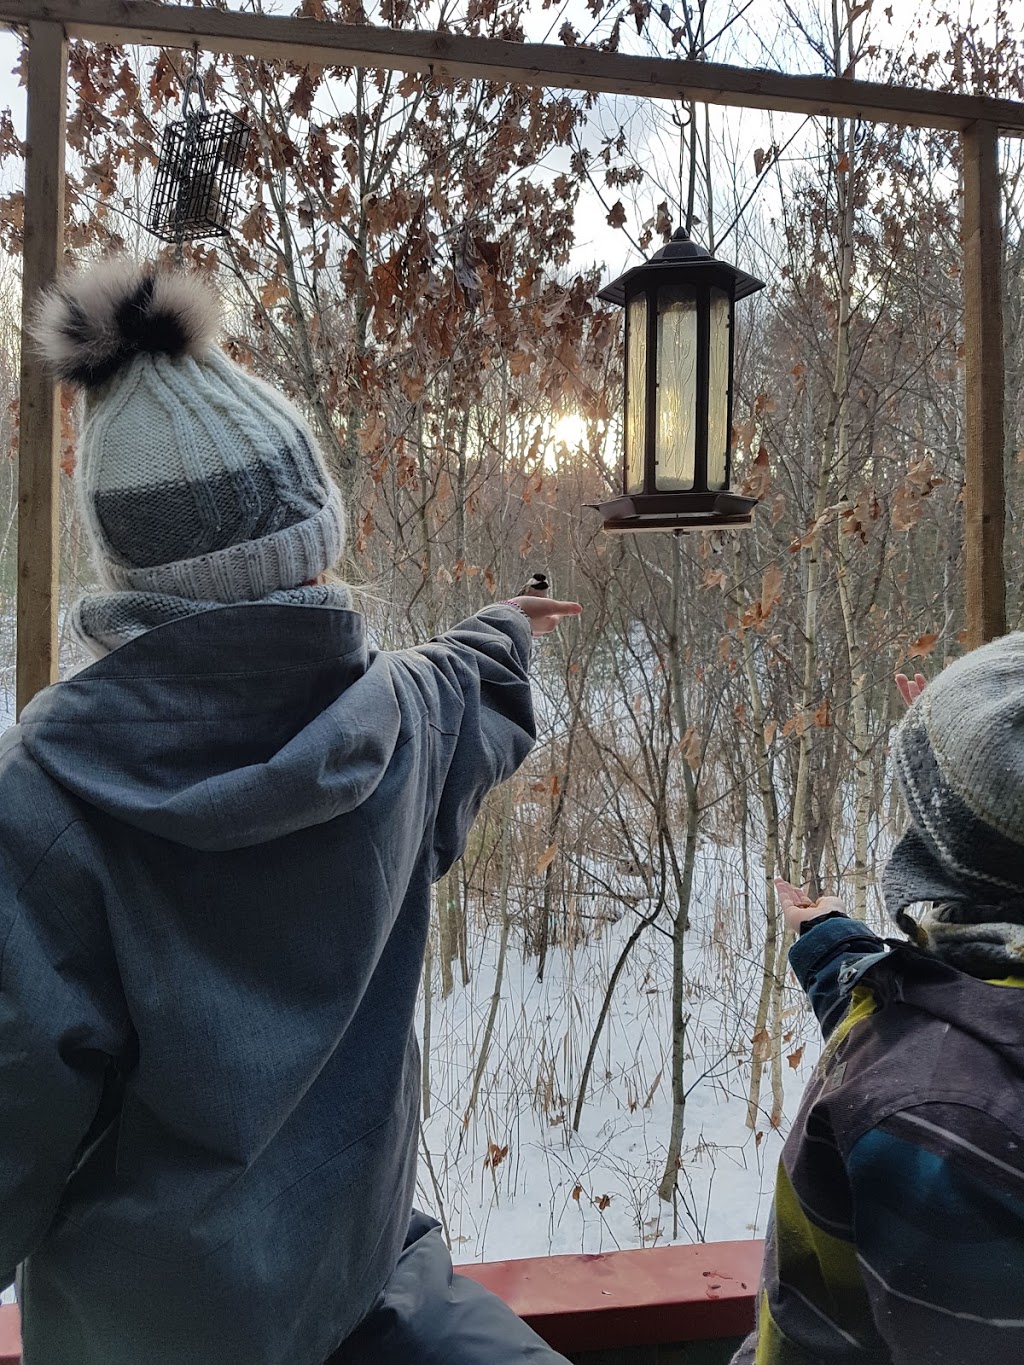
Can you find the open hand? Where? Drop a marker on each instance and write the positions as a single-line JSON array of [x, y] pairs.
[[545, 614], [798, 908], [910, 688]]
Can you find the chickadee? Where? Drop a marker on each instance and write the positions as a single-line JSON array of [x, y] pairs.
[[538, 586]]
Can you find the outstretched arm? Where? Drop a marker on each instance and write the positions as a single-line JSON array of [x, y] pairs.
[[828, 941], [474, 680]]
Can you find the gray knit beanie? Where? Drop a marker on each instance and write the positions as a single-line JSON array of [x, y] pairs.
[[959, 757], [195, 480]]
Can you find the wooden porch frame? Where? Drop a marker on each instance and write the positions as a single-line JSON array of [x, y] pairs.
[[39, 410], [48, 24]]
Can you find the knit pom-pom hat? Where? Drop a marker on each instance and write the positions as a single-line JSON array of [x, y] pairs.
[[194, 478], [959, 758]]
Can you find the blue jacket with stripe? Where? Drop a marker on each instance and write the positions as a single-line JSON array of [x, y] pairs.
[[897, 1234]]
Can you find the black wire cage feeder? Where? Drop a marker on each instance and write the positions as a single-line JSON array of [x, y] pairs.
[[677, 469], [199, 170]]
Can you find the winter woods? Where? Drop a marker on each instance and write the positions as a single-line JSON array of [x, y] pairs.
[[416, 262]]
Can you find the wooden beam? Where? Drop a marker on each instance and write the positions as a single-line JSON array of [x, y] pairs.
[[653, 1296], [39, 413], [317, 43], [984, 490]]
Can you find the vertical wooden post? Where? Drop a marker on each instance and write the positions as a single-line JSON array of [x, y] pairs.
[[984, 490], [39, 424]]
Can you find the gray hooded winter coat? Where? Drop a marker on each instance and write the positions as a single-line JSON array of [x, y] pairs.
[[216, 852]]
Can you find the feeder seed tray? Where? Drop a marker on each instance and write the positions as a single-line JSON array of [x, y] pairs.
[[197, 179]]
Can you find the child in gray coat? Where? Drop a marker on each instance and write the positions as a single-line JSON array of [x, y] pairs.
[[217, 845]]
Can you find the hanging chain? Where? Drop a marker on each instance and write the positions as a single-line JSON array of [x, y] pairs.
[[186, 181], [193, 85]]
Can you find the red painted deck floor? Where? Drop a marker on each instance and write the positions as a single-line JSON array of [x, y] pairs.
[[620, 1298]]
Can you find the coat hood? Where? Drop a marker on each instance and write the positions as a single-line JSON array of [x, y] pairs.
[[225, 729]]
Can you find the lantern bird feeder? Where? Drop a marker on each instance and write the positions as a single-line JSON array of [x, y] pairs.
[[680, 308], [195, 193]]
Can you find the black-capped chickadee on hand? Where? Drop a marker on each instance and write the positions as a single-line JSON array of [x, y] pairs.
[[543, 620], [538, 586]]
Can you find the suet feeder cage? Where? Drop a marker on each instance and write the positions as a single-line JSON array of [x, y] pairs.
[[680, 308], [195, 193]]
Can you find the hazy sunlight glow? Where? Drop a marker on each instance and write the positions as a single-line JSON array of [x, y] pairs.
[[570, 430]]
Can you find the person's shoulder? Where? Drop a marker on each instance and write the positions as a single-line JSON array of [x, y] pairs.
[[925, 1042]]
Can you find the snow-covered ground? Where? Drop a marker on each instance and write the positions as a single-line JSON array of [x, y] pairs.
[[557, 1191]]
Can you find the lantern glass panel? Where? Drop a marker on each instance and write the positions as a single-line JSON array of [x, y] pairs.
[[677, 388], [636, 392], [718, 391]]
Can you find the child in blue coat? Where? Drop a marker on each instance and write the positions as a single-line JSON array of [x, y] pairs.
[[897, 1235]]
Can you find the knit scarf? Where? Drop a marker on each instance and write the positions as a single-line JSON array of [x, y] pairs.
[[986, 941], [973, 922], [106, 621]]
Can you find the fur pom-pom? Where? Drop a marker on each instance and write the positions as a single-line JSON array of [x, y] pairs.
[[95, 321]]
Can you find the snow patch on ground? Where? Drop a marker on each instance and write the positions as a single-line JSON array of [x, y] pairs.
[[555, 1191]]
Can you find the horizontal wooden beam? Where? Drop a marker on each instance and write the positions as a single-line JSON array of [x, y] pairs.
[[654, 1297], [316, 43], [657, 1296]]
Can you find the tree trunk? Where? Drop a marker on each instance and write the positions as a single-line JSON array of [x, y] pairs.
[[684, 889], [428, 1000], [846, 144], [505, 853], [769, 985]]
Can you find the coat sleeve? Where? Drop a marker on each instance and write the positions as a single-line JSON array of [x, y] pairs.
[[57, 1035], [818, 959], [481, 709], [938, 1194]]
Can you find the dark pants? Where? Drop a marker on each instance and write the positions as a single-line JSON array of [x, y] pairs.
[[427, 1315]]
